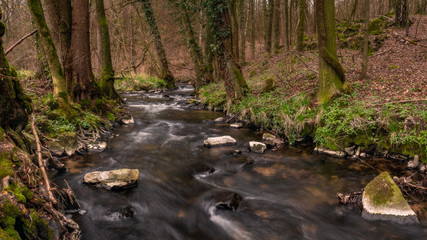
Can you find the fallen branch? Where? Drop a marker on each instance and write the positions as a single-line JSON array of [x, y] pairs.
[[39, 157], [305, 63], [20, 41]]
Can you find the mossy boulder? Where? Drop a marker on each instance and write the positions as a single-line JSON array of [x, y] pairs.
[[383, 200]]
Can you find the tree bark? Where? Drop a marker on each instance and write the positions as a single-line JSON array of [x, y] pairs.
[[364, 70], [15, 105], [300, 28], [165, 72], [287, 26], [83, 84], [107, 76], [252, 27], [59, 84], [401, 13], [243, 29], [235, 29], [332, 80], [276, 25], [269, 27]]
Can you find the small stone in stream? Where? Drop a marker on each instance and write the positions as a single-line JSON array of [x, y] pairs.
[[257, 147], [219, 141], [339, 154], [236, 125], [114, 179], [219, 120], [383, 200], [414, 163], [99, 147], [231, 202], [272, 141], [128, 121], [237, 152]]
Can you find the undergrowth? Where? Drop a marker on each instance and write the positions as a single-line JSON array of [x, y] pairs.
[[395, 127], [140, 82]]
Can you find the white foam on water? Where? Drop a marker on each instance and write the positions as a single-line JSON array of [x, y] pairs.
[[234, 230]]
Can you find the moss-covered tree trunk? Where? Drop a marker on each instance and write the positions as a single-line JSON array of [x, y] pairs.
[[59, 15], [15, 105], [243, 22], [165, 72], [208, 57], [83, 84], [192, 44], [364, 70], [107, 76], [58, 78], [331, 73], [235, 29], [276, 25], [219, 20], [301, 25]]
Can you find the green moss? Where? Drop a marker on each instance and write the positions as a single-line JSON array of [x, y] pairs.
[[4, 235], [213, 95], [6, 166], [382, 191], [1, 134], [9, 213], [139, 83], [22, 193], [36, 227]]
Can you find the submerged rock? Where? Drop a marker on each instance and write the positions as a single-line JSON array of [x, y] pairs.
[[114, 179], [257, 147], [236, 125], [99, 147], [230, 202], [219, 120], [272, 141], [219, 141], [339, 154], [383, 200]]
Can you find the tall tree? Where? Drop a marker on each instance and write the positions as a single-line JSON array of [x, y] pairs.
[[301, 25], [401, 13], [83, 84], [219, 21], [165, 72], [287, 25], [107, 76], [364, 70], [15, 105], [235, 29], [331, 73], [252, 27], [60, 91], [269, 27], [276, 25]]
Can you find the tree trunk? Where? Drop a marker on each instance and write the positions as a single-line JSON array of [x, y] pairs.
[[332, 80], [276, 25], [401, 13], [252, 27], [243, 29], [354, 9], [193, 46], [107, 76], [165, 72], [15, 105], [286, 22], [235, 30], [300, 28], [363, 73], [59, 84], [269, 26], [208, 59], [220, 21], [83, 84], [59, 13], [391, 5]]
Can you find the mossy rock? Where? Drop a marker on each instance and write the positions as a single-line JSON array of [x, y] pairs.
[[383, 200]]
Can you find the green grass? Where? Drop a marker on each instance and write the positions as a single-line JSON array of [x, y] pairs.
[[140, 82]]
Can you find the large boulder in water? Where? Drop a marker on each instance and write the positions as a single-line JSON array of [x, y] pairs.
[[113, 180], [383, 200], [219, 141]]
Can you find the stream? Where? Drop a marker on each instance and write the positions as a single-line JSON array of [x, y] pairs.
[[287, 194]]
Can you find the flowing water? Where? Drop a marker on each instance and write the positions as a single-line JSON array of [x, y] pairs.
[[288, 194]]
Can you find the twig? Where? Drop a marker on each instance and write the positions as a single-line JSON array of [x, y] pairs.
[[39, 157], [304, 63], [20, 41], [381, 53]]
